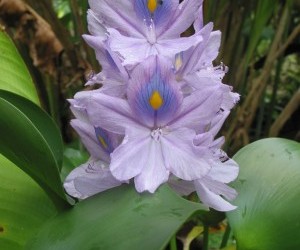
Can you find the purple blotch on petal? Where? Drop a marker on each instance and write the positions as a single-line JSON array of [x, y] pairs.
[[159, 14], [166, 104], [104, 140]]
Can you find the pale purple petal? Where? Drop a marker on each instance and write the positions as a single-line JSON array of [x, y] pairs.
[[198, 109], [180, 156], [217, 122], [209, 193], [95, 26], [198, 24], [224, 172], [88, 179], [188, 60], [181, 20], [154, 172], [88, 137], [182, 187], [118, 14], [229, 100], [131, 49], [170, 47], [212, 49], [111, 113], [78, 110], [110, 62], [131, 157]]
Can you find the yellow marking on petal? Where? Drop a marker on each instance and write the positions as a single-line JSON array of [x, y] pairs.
[[156, 100], [102, 141], [178, 61], [152, 5]]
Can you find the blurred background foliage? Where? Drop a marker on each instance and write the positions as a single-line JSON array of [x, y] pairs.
[[260, 45]]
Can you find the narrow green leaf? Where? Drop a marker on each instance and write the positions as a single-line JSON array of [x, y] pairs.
[[263, 13], [30, 139], [24, 207], [117, 219], [268, 203], [14, 74]]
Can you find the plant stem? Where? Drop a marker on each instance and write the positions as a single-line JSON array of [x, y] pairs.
[[205, 237], [173, 245], [225, 237]]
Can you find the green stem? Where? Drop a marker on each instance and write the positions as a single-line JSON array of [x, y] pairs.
[[205, 237], [173, 245], [225, 237]]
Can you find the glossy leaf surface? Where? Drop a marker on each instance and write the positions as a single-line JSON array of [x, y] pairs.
[[31, 140], [268, 214], [24, 206], [117, 219], [14, 74]]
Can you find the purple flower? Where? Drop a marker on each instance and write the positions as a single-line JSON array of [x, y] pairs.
[[140, 28], [159, 126], [94, 176], [212, 189], [113, 74], [161, 104]]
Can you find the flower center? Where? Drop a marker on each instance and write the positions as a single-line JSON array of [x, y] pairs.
[[151, 34], [156, 134]]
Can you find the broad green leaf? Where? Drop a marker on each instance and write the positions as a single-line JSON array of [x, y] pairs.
[[117, 219], [24, 207], [268, 214], [14, 74], [31, 140]]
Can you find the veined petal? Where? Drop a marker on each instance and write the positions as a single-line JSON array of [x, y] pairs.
[[131, 49], [159, 12], [118, 14], [180, 156], [182, 19], [152, 93], [198, 109], [224, 172], [111, 113], [154, 172], [131, 157], [95, 26], [170, 47], [182, 187], [209, 193], [110, 62], [89, 139], [88, 179], [189, 59], [217, 122], [198, 24], [212, 49]]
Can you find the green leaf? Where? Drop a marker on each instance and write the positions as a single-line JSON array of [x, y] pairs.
[[263, 13], [268, 203], [31, 140], [117, 219], [14, 74], [24, 207]]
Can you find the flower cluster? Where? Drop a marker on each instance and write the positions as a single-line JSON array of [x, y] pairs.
[[161, 105]]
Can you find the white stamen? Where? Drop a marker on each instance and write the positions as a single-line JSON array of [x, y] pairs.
[[151, 35], [156, 134]]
